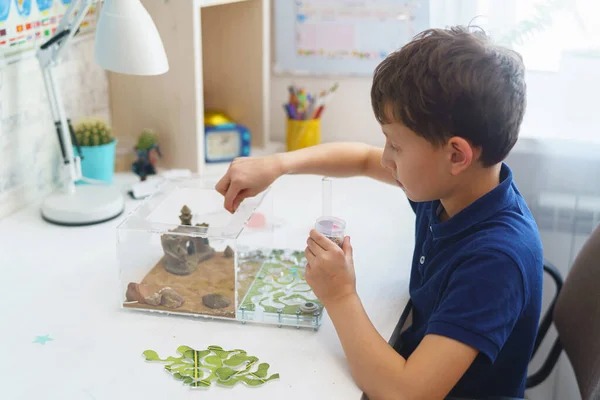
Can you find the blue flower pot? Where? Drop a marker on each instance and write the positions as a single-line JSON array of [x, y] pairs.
[[98, 161]]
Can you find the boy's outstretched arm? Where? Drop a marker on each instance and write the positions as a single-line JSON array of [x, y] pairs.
[[430, 372], [337, 160], [248, 176]]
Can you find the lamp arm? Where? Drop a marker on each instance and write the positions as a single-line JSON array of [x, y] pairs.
[[48, 55], [67, 28]]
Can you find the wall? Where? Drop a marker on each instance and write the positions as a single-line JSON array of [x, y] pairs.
[[569, 113], [29, 150], [348, 117]]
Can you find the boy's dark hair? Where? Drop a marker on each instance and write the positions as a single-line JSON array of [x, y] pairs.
[[454, 82]]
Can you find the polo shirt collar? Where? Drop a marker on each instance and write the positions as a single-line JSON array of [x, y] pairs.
[[480, 210]]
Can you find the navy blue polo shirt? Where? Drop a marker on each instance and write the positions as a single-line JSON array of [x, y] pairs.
[[477, 278]]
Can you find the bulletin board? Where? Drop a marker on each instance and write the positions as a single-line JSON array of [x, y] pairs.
[[343, 37], [26, 24]]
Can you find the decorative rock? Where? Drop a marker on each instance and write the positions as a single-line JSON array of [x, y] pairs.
[[183, 253], [145, 294], [215, 300], [170, 298], [228, 253]]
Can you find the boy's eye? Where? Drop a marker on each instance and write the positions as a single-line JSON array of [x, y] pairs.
[[391, 146]]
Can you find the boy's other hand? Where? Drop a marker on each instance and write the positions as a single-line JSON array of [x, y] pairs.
[[330, 269], [247, 177]]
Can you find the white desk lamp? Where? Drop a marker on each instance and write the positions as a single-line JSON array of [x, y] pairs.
[[127, 42]]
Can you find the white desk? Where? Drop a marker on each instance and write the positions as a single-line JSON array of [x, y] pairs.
[[63, 282]]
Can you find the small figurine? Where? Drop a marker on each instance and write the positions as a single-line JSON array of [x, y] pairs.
[[186, 216], [148, 154]]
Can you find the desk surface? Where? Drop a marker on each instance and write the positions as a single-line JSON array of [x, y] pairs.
[[63, 282]]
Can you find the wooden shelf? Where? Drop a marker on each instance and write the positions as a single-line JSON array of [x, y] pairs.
[[219, 54], [209, 3]]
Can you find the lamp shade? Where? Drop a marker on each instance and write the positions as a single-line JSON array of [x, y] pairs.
[[127, 40]]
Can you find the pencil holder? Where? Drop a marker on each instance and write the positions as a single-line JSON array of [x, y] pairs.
[[303, 133]]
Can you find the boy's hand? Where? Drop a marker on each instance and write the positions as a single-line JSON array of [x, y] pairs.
[[247, 177], [330, 269]]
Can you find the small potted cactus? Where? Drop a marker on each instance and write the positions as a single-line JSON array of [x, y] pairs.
[[98, 147], [148, 152]]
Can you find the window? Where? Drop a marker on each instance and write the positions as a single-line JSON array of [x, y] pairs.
[[560, 44]]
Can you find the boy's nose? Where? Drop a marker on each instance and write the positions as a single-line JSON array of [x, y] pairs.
[[386, 163]]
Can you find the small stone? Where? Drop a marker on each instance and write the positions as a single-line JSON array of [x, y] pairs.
[[170, 298], [215, 300], [145, 294], [228, 253], [132, 293]]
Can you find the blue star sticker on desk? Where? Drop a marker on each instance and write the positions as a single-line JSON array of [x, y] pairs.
[[42, 339]]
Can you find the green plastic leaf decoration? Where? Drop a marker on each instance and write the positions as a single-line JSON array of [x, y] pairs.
[[182, 349], [229, 382], [261, 372], [214, 361], [151, 355], [199, 383], [236, 360], [253, 382], [199, 369], [225, 373]]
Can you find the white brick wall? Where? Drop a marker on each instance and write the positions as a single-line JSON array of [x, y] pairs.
[[29, 149]]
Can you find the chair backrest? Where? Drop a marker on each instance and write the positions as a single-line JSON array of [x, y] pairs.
[[577, 317]]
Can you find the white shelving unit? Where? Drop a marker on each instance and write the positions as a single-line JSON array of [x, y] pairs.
[[219, 52]]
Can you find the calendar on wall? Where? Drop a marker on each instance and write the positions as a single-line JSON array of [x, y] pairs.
[[343, 36]]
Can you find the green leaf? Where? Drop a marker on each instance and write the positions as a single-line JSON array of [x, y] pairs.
[[252, 382], [191, 354], [186, 370], [230, 382], [262, 370], [236, 360], [200, 384], [203, 353], [213, 361], [178, 376], [195, 373], [225, 373], [151, 355], [221, 354], [182, 349]]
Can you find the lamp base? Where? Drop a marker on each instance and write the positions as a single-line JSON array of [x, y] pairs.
[[90, 204]]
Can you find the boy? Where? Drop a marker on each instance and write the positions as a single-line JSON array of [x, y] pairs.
[[450, 105]]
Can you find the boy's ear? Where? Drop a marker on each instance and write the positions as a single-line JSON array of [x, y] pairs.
[[461, 154]]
